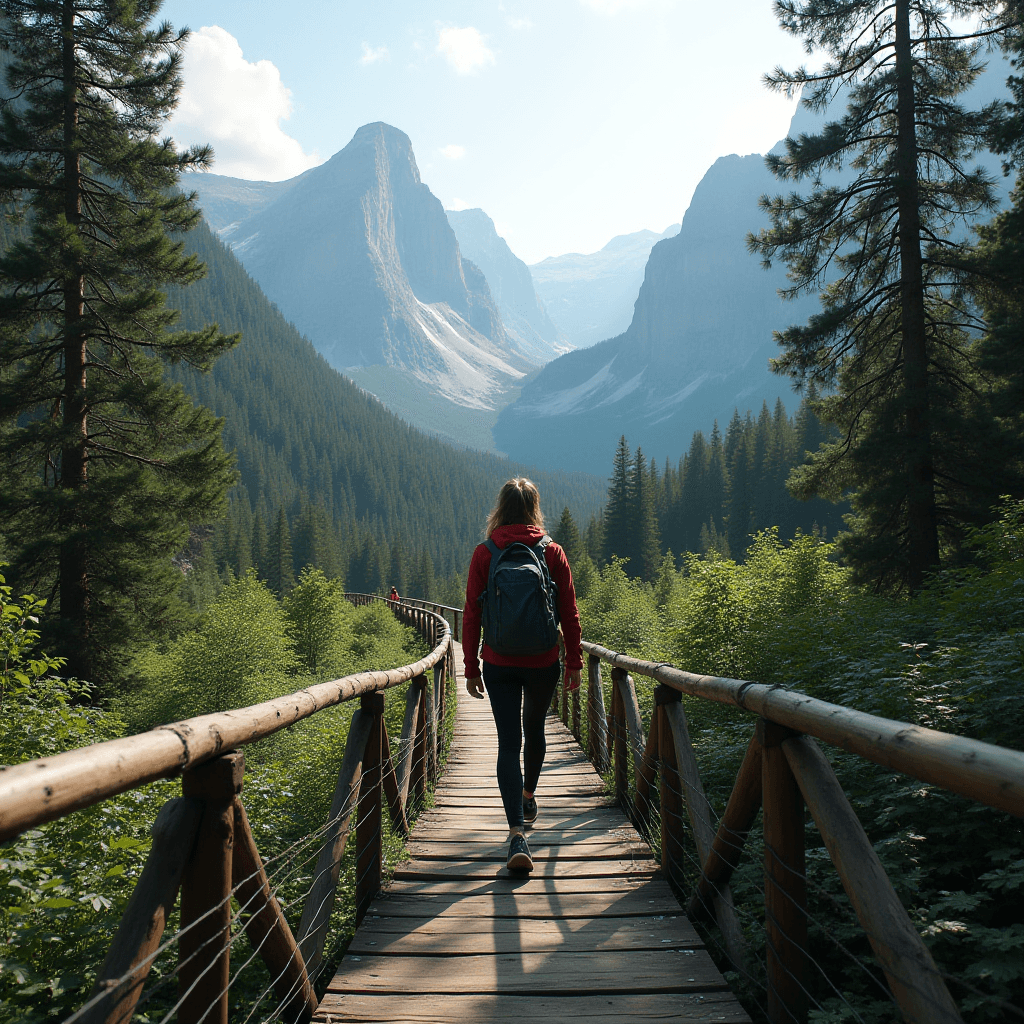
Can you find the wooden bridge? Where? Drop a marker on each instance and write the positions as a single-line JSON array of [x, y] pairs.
[[600, 930], [595, 921]]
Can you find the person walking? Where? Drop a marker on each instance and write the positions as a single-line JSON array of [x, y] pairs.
[[519, 591]]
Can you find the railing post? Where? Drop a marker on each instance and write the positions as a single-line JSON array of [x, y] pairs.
[[670, 789], [619, 743], [577, 731], [418, 774], [204, 952], [785, 888], [597, 721], [369, 821], [433, 735]]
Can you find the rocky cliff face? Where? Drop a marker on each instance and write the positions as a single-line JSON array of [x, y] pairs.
[[697, 346], [522, 312], [590, 297], [700, 338], [359, 255]]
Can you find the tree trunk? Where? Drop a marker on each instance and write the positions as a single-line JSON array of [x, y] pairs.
[[74, 577], [922, 524]]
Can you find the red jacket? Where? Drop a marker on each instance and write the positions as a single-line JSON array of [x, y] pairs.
[[568, 615]]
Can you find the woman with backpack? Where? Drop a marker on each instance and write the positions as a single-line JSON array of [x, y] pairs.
[[519, 590]]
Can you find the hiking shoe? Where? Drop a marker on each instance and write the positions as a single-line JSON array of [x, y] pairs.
[[519, 858], [529, 809]]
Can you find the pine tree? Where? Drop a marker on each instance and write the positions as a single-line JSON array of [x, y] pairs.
[[105, 463], [568, 536], [617, 515], [645, 554], [885, 246], [998, 267], [717, 475], [739, 506], [428, 585], [593, 538], [260, 547], [281, 570], [693, 503]]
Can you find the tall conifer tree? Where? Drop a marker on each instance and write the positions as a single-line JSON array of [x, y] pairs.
[[567, 535], [885, 248], [281, 570], [617, 516], [105, 464], [645, 553]]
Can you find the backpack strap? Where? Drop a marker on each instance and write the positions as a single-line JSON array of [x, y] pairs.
[[495, 552]]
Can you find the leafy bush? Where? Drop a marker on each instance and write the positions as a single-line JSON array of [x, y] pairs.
[[64, 886], [951, 659]]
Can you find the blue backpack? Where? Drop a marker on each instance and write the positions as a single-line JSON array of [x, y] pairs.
[[519, 608]]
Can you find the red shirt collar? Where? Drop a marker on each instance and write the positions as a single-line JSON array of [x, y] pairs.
[[505, 535]]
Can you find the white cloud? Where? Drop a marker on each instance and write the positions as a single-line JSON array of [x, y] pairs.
[[458, 204], [453, 152], [519, 23], [237, 106], [464, 49], [371, 55]]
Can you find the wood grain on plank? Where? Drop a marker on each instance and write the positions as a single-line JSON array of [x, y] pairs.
[[593, 932], [547, 907], [484, 1008], [415, 870], [448, 937], [551, 973]]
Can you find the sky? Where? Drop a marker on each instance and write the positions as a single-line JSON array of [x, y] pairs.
[[567, 121]]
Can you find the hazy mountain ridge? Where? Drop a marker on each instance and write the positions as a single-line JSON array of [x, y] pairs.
[[700, 339], [359, 255], [698, 343], [590, 297], [226, 201], [522, 311]]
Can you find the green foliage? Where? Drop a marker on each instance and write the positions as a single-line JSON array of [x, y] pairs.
[[619, 612], [18, 639], [241, 654], [64, 886], [317, 611], [950, 660]]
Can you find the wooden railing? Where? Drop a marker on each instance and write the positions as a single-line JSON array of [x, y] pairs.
[[203, 847], [783, 771]]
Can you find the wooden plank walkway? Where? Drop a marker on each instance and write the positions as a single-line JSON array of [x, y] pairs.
[[594, 933]]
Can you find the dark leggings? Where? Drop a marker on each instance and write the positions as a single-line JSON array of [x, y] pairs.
[[520, 698]]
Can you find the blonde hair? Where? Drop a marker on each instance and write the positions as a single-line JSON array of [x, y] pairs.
[[518, 503]]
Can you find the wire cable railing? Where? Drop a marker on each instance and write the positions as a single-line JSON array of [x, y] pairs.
[[784, 937], [212, 926], [214, 929]]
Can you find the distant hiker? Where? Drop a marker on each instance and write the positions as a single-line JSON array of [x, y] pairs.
[[393, 596], [520, 589]]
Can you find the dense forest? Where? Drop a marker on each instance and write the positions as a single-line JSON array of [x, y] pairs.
[[328, 476], [721, 492]]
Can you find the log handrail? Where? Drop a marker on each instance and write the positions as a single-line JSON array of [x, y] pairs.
[[782, 771], [984, 772], [35, 792], [204, 848]]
